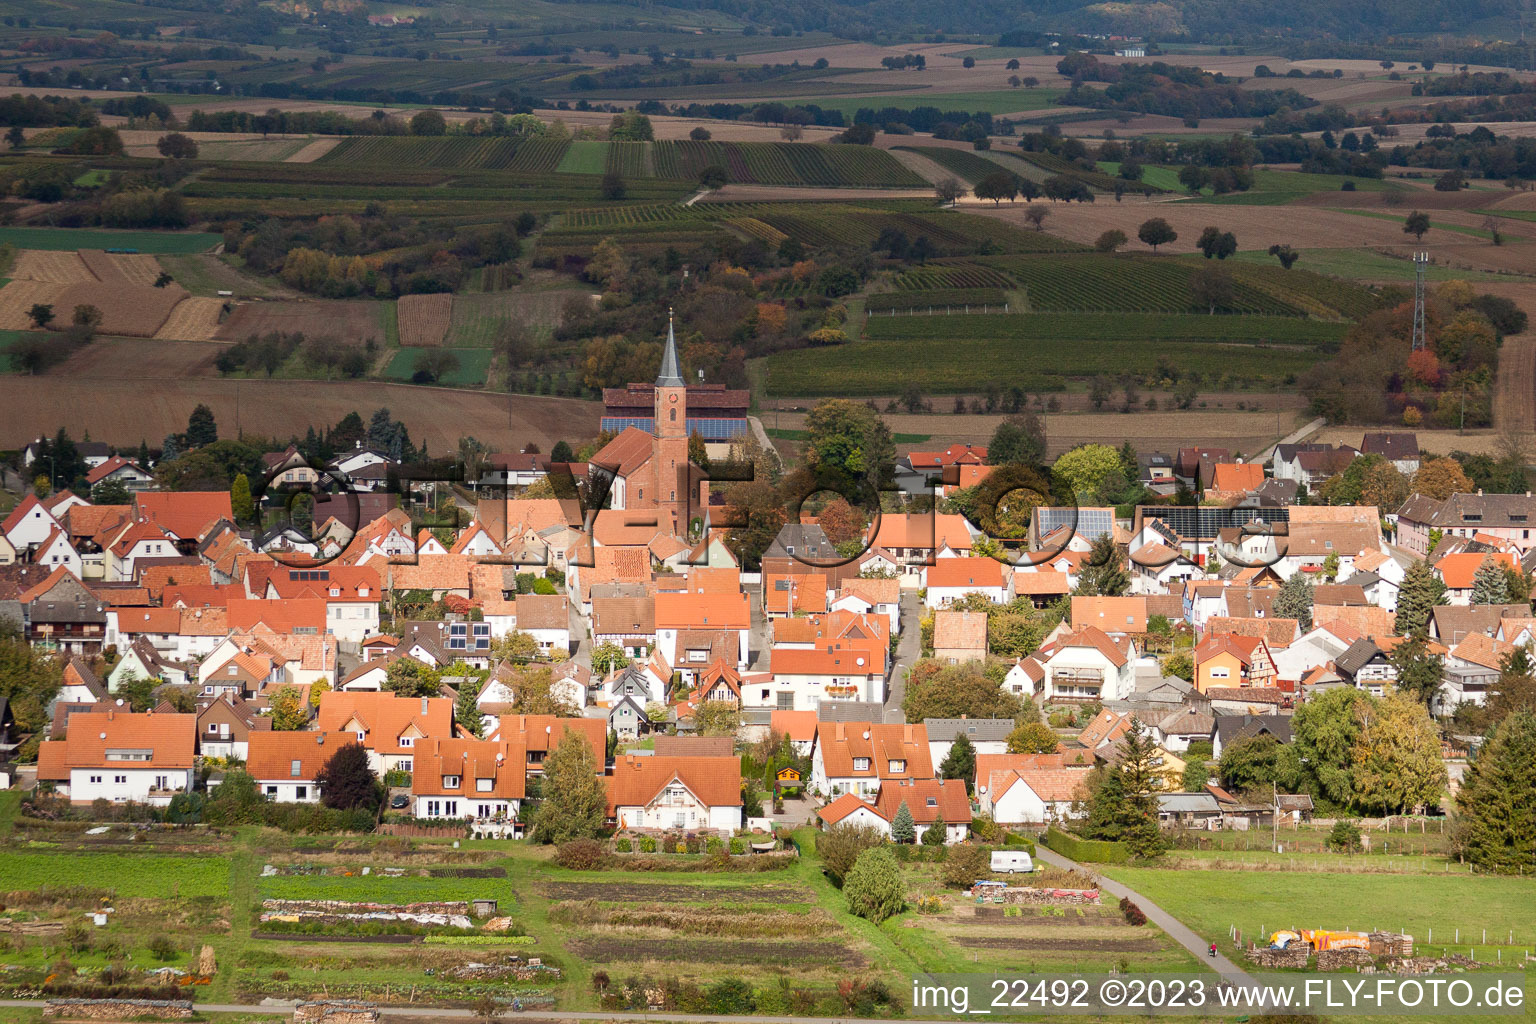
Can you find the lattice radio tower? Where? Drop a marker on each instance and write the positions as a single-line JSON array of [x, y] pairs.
[[1420, 262]]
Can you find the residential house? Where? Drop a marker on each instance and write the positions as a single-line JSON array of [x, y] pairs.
[[285, 764], [626, 717], [917, 541], [799, 726], [1459, 572], [1154, 470], [28, 525], [468, 778], [1111, 614], [78, 684], [117, 469], [791, 594], [1041, 587], [689, 793], [1233, 660], [1194, 467], [1029, 789], [1086, 664], [351, 594], [185, 515], [225, 724], [1401, 448], [389, 727], [871, 596], [852, 757], [61, 613], [929, 801], [1229, 480], [1507, 517], [986, 735], [1308, 465], [855, 812], [950, 579], [538, 735], [1228, 729], [121, 757], [546, 618], [629, 622], [960, 637], [692, 630]]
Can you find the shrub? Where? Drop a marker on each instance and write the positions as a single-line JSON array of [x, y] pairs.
[[623, 846], [965, 865], [78, 935], [1344, 837], [162, 947], [581, 855], [839, 848], [738, 845], [874, 887], [985, 829], [647, 844], [933, 835], [714, 846], [1133, 914], [731, 996], [1089, 851]]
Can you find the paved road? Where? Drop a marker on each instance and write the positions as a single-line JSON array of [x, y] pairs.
[[1184, 936], [909, 647]]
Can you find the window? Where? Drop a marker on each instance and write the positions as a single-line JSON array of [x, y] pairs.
[[407, 741], [360, 735], [404, 764], [786, 700], [450, 782], [271, 791], [1220, 673], [434, 809], [861, 764], [295, 768], [485, 810], [96, 780], [120, 780], [451, 808], [484, 785], [213, 728], [673, 416], [933, 801], [897, 766], [301, 792]]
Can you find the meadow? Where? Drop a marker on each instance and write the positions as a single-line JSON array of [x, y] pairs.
[[474, 364], [60, 239]]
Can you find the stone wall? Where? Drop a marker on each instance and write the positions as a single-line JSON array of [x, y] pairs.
[[118, 1009]]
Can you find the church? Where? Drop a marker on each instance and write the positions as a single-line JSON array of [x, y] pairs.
[[649, 469]]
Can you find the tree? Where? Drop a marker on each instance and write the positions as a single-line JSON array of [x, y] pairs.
[[111, 492], [935, 834], [407, 677], [1124, 804], [1420, 593], [1285, 254], [960, 762], [1194, 177], [1110, 240], [1489, 584], [1035, 213], [608, 656], [839, 847], [1211, 287], [87, 316], [968, 62], [1419, 670], [902, 828], [950, 691], [700, 134], [346, 781], [874, 888], [1416, 224], [428, 122], [1397, 765], [16, 137], [1103, 572], [1033, 738], [1440, 478], [1250, 763], [288, 709], [1344, 837], [1081, 472], [1155, 232], [1099, 390], [177, 146], [1018, 439], [561, 452], [997, 186], [1516, 690], [201, 428], [714, 176], [574, 796], [851, 438], [1196, 775], [948, 189], [240, 501], [717, 718], [1294, 601], [1496, 805], [41, 315], [1218, 243], [612, 186], [964, 866]]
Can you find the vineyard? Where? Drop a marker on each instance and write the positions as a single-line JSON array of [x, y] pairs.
[[1091, 282], [1195, 328], [1096, 180], [448, 153], [963, 163], [952, 275], [784, 163], [939, 300], [630, 159]]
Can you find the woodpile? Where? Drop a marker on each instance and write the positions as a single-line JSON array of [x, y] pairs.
[[335, 1011], [1391, 944], [1339, 959]]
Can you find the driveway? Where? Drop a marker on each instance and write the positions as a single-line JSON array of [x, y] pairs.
[[1198, 945]]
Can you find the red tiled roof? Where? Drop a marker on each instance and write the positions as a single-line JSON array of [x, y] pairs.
[[186, 514], [170, 739], [845, 805], [385, 717], [1458, 570], [636, 781], [949, 802], [841, 742], [1236, 477], [503, 763], [975, 573], [272, 753], [278, 616], [702, 611]]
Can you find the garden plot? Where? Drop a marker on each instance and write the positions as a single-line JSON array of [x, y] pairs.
[[755, 953], [50, 267], [627, 892], [424, 319]]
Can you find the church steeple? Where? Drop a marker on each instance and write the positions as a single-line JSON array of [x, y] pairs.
[[671, 375]]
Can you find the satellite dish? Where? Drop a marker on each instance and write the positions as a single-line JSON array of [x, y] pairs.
[[102, 736], [549, 730], [866, 734], [981, 789]]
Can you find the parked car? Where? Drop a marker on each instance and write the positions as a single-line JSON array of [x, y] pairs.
[[399, 801]]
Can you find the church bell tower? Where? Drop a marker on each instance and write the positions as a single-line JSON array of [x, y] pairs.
[[670, 447]]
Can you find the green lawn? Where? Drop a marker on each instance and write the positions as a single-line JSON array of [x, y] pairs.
[[1151, 174], [1433, 224], [1260, 902], [474, 364], [584, 156], [145, 876], [62, 239], [1000, 101], [1369, 265]]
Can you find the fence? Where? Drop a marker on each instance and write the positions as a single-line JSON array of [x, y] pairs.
[[423, 831], [870, 314]]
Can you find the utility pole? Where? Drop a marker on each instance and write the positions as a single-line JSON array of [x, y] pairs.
[[1420, 263]]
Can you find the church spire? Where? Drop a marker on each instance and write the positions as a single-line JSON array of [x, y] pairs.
[[671, 376]]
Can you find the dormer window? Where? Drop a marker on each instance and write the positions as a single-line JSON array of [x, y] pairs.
[[861, 764], [451, 782], [407, 741], [897, 767], [484, 785]]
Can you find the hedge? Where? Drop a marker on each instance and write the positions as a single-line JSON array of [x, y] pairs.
[[1012, 839], [1087, 851]]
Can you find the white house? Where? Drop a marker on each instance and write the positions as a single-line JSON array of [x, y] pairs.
[[1032, 789], [950, 579], [284, 764], [468, 778], [692, 793], [122, 757]]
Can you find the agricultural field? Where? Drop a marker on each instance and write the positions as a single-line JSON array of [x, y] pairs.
[[50, 266], [423, 319], [952, 275], [967, 165], [1042, 351], [784, 163], [195, 318], [75, 239], [121, 268], [354, 322], [584, 157], [477, 319], [1374, 266], [958, 300], [448, 152], [18, 296], [474, 365], [999, 101], [204, 274]]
